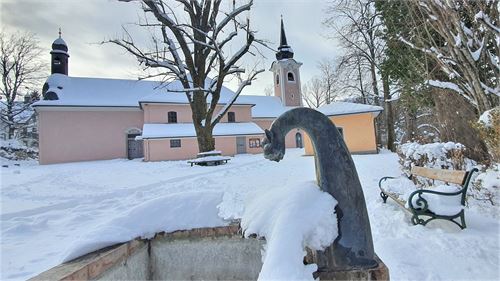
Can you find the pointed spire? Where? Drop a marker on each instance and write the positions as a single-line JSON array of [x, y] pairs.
[[284, 51], [283, 36], [60, 33]]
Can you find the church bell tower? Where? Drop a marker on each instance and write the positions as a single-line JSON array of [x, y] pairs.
[[59, 56], [286, 73]]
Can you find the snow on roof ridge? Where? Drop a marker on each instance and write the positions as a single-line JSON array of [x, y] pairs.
[[179, 130], [96, 91], [343, 108]]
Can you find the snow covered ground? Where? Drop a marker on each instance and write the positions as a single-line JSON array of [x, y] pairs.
[[50, 213]]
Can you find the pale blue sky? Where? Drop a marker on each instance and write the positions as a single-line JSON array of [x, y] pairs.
[[85, 23]]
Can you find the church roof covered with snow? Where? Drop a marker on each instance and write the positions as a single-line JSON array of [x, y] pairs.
[[266, 106], [100, 92], [346, 108]]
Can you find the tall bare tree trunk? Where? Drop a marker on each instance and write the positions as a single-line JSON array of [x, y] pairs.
[[10, 118], [206, 141], [389, 119], [411, 124], [360, 76]]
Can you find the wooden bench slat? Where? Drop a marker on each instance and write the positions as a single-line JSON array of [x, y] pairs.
[[398, 200], [438, 174]]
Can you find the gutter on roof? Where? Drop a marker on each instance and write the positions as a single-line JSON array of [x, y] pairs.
[[86, 107], [258, 117], [170, 102], [187, 103], [62, 105], [179, 137], [338, 114]]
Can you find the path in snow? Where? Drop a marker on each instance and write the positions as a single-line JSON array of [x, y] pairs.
[[45, 208]]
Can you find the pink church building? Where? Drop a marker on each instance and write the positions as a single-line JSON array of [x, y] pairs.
[[82, 119]]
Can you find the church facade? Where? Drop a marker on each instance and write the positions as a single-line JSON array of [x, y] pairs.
[[84, 119]]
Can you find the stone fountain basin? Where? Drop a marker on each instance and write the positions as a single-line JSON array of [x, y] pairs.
[[219, 253]]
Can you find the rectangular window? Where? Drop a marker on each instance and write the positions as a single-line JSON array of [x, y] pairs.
[[231, 117], [175, 143], [172, 117], [254, 143]]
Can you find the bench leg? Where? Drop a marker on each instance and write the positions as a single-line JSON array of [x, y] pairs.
[[416, 220], [384, 196], [462, 224]]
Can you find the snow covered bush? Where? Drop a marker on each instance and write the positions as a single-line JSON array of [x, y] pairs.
[[489, 131], [484, 192], [439, 155], [14, 150]]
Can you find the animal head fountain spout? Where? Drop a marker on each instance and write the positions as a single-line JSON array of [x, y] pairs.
[[274, 146], [336, 174]]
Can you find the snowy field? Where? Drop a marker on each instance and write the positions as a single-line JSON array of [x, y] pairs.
[[51, 213]]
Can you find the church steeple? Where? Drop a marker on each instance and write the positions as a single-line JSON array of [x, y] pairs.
[[284, 51], [286, 72], [59, 53]]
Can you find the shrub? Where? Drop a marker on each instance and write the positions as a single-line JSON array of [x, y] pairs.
[[448, 156], [489, 131]]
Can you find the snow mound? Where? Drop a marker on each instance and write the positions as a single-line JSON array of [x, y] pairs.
[[290, 218], [186, 210]]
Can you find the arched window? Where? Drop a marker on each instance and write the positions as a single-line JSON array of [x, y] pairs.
[[231, 117], [290, 77], [172, 117], [133, 131], [298, 140], [277, 79]]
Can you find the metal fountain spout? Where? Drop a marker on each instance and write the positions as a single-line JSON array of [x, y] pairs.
[[335, 174]]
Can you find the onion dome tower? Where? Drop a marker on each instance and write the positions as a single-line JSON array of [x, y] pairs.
[[59, 54]]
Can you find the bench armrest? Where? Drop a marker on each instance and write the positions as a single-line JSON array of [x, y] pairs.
[[420, 201], [384, 179]]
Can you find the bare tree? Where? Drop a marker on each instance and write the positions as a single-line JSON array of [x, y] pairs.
[[195, 48], [21, 72], [314, 93], [353, 77], [356, 24], [329, 79], [269, 91]]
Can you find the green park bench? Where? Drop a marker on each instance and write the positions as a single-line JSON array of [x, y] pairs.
[[419, 201]]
